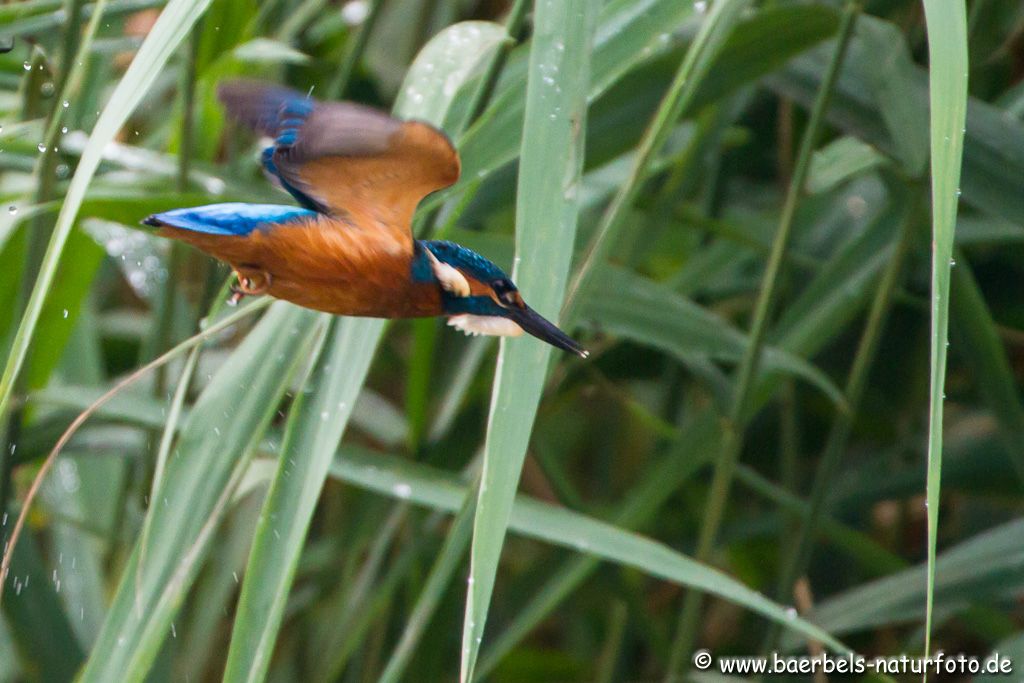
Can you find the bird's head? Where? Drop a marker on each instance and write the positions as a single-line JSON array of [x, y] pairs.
[[479, 298]]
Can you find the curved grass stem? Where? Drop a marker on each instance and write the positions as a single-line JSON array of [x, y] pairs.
[[74, 60], [51, 458]]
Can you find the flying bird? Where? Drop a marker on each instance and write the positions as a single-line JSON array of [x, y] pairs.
[[358, 175]]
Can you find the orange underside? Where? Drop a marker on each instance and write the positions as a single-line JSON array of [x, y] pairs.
[[327, 265]]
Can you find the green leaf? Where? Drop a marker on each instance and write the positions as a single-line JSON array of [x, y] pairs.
[[264, 50], [551, 162], [48, 15], [444, 65], [70, 287], [790, 29], [316, 422], [839, 161], [891, 78], [993, 154], [696, 443], [39, 625], [841, 288], [978, 342], [947, 50]]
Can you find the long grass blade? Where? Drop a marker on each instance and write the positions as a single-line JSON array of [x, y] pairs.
[[316, 422], [546, 213], [423, 485], [947, 50]]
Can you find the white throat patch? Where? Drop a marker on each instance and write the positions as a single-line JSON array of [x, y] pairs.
[[488, 325]]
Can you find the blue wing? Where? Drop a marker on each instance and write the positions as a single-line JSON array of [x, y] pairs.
[[233, 218]]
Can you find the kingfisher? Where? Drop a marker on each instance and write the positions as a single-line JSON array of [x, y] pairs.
[[357, 175]]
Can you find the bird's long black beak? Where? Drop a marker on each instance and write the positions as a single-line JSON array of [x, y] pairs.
[[534, 323]]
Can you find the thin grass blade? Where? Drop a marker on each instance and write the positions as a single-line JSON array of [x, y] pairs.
[[947, 50], [546, 212], [437, 489]]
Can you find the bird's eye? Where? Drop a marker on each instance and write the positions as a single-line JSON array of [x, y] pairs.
[[506, 292]]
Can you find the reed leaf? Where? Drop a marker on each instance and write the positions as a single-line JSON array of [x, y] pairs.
[[947, 49], [551, 162]]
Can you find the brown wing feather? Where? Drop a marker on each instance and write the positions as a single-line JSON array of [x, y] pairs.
[[359, 164], [383, 190]]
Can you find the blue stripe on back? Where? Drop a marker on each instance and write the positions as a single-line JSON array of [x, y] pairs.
[[234, 218]]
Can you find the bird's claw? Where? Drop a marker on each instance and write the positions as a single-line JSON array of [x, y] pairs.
[[250, 283], [236, 296]]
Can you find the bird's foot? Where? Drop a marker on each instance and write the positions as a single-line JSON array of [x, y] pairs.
[[250, 282]]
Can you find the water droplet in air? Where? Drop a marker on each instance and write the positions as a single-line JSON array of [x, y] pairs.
[[63, 129], [65, 104], [27, 66], [41, 147]]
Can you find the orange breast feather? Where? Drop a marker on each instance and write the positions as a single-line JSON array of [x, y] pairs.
[[329, 265]]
